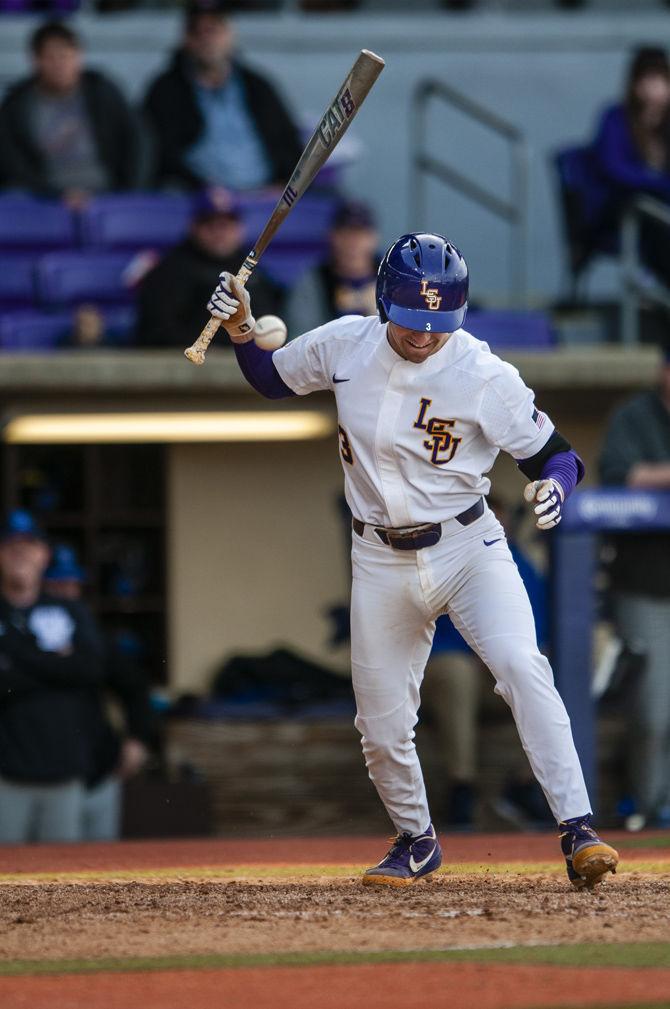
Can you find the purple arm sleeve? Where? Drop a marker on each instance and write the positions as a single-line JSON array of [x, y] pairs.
[[258, 368], [564, 467]]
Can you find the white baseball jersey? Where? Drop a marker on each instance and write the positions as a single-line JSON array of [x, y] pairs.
[[415, 439]]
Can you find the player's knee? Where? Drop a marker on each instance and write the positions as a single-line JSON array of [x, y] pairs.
[[385, 735], [515, 664], [381, 755]]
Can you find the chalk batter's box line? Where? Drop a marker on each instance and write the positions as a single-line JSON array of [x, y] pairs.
[[282, 871]]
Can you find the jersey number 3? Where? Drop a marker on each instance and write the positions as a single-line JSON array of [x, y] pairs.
[[345, 446]]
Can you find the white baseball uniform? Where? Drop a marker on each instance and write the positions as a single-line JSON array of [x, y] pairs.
[[415, 443]]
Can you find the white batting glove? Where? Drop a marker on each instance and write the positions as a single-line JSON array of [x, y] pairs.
[[549, 496], [231, 304]]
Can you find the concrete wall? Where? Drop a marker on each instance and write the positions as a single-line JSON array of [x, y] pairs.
[[256, 552], [547, 73]]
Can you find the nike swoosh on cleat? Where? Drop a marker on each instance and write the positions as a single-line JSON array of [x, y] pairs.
[[340, 379], [417, 866], [489, 543]]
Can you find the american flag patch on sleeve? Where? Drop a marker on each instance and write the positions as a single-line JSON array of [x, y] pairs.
[[539, 418]]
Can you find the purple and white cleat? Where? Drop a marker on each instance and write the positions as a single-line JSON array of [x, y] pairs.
[[410, 858], [588, 859]]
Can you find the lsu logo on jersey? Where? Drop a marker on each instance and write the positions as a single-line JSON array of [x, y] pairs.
[[432, 296], [440, 442]]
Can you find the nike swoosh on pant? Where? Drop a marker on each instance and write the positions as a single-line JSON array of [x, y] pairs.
[[340, 379], [417, 866], [489, 543]]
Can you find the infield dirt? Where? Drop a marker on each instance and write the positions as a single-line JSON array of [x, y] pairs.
[[72, 920]]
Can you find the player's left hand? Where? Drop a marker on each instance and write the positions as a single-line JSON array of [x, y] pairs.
[[231, 304], [549, 496]]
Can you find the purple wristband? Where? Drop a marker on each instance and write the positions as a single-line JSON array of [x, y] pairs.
[[566, 468], [259, 370]]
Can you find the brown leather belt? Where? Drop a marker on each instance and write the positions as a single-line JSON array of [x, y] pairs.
[[419, 536]]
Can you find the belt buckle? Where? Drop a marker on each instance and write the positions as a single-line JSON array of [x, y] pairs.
[[414, 538]]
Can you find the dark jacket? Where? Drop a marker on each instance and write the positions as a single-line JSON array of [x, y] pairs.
[[639, 431], [176, 122], [128, 685], [45, 694], [173, 296], [116, 134]]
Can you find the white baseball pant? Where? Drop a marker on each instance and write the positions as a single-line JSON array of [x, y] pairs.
[[396, 597]]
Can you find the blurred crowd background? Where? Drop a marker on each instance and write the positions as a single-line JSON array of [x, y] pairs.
[[142, 147]]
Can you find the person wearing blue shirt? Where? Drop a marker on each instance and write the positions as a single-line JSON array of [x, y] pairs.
[[214, 121]]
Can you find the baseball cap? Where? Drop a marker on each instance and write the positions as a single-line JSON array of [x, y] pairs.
[[214, 203], [64, 565], [353, 214], [21, 524], [219, 8]]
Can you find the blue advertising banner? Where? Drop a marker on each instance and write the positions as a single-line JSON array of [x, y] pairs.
[[587, 514]]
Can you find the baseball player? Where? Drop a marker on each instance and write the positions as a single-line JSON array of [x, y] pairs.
[[423, 409]]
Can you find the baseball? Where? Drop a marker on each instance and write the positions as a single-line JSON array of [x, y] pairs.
[[270, 332]]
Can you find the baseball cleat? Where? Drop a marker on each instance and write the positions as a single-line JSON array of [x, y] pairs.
[[587, 858], [410, 858]]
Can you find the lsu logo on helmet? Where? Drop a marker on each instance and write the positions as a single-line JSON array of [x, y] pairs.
[[432, 296]]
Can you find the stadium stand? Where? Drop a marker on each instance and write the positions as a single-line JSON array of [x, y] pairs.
[[53, 258], [30, 223]]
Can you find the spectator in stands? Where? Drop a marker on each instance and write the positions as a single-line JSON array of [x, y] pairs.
[[173, 294], [632, 148], [50, 660], [66, 130], [636, 454], [115, 757], [345, 282], [215, 121]]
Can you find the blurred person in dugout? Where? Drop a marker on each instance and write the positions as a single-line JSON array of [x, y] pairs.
[[119, 721], [171, 296], [214, 121], [454, 699], [50, 662], [345, 282], [636, 454], [66, 130], [632, 150]]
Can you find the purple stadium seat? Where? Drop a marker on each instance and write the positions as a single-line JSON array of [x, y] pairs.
[[285, 263], [30, 223], [308, 222], [68, 278], [33, 331], [38, 6], [502, 329], [17, 280], [136, 220]]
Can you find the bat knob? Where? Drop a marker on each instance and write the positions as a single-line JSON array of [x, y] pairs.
[[195, 356]]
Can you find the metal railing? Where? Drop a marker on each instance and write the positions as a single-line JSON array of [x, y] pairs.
[[635, 285], [514, 210]]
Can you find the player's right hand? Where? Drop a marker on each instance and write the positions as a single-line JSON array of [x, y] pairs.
[[231, 304]]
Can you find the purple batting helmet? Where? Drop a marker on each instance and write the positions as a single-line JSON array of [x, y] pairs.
[[422, 284]]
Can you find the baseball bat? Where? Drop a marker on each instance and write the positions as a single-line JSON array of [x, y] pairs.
[[326, 136]]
